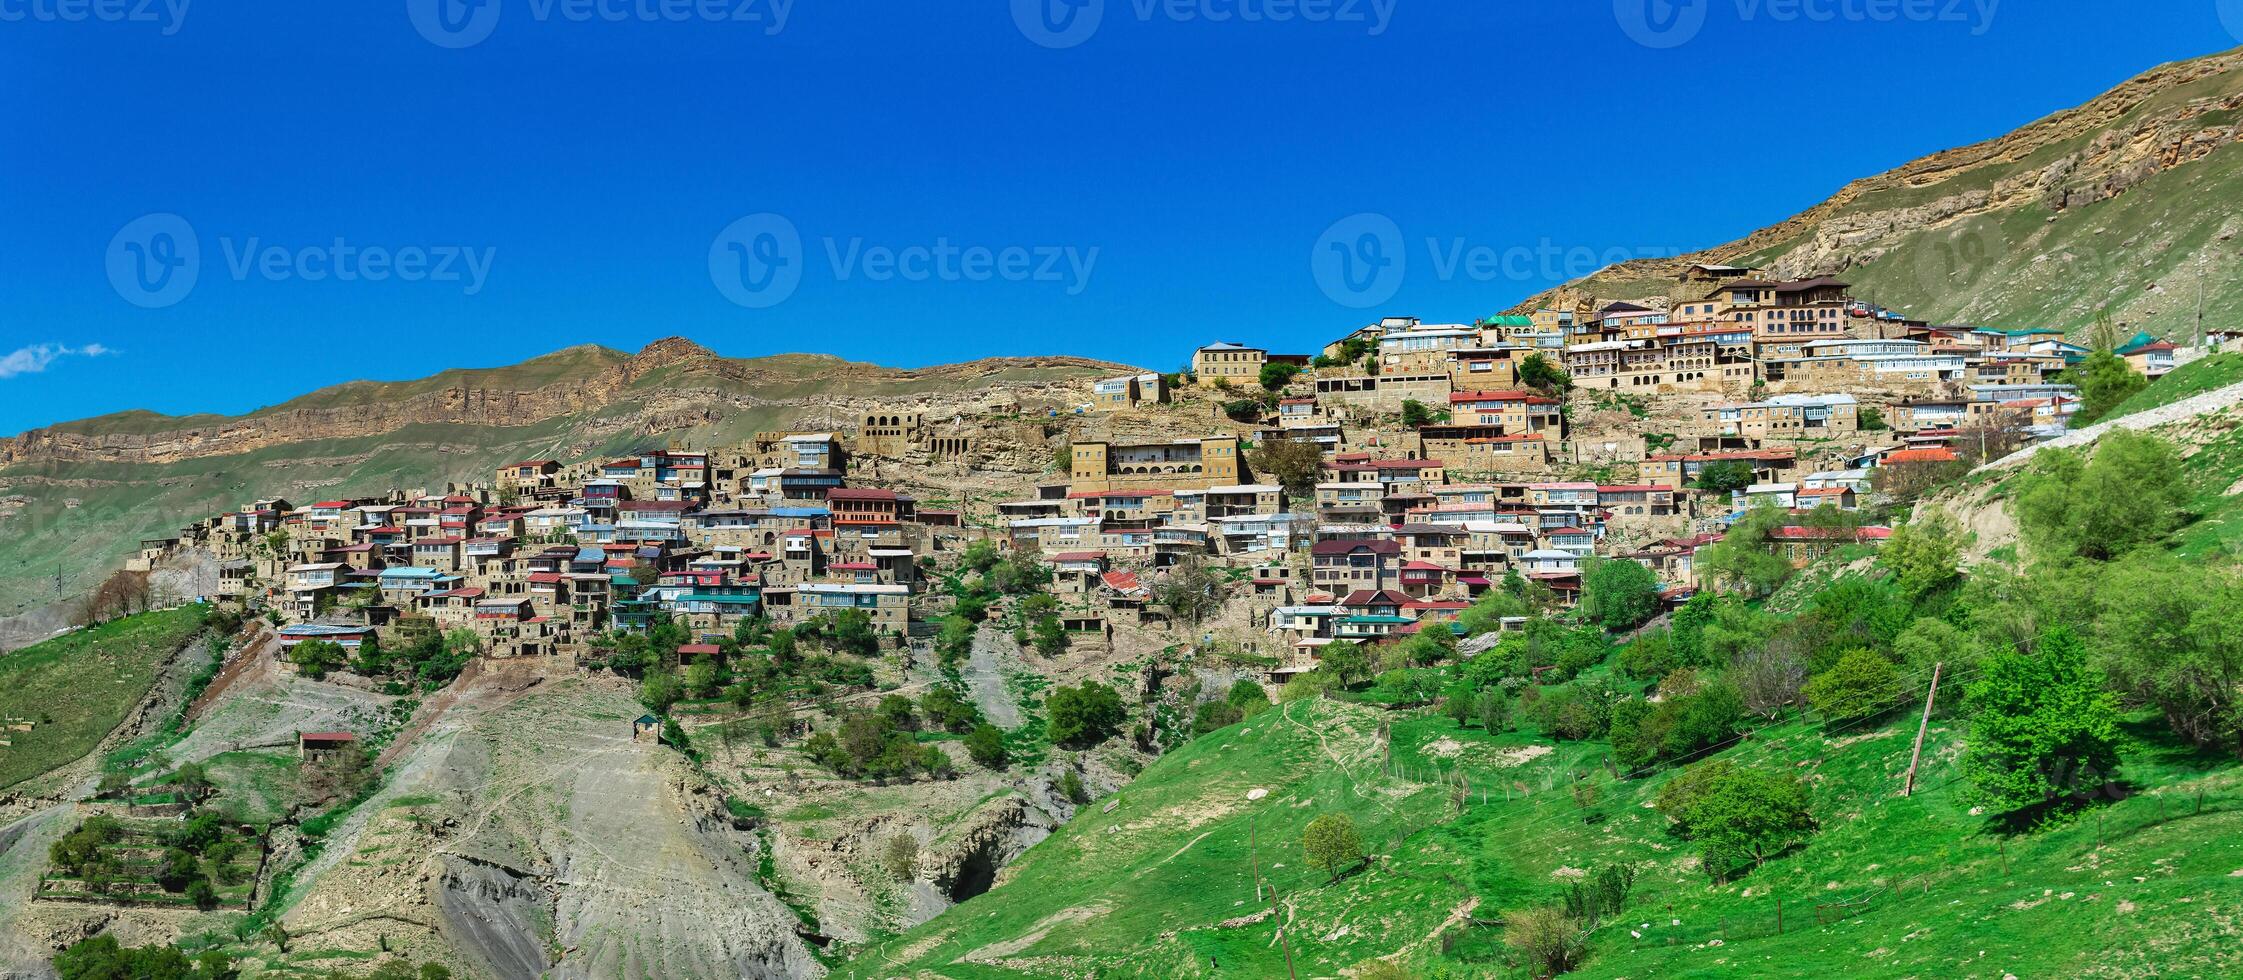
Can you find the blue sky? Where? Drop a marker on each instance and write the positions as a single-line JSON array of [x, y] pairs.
[[383, 190]]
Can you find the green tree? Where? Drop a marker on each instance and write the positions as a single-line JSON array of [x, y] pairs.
[[946, 706], [980, 556], [1923, 554], [1084, 716], [1346, 661], [1293, 463], [1618, 594], [1487, 613], [955, 642], [1871, 419], [1493, 709], [1651, 656], [1863, 685], [1276, 375], [1743, 560], [1539, 372], [2042, 729], [986, 746], [660, 690], [1332, 844], [1687, 628], [2165, 634], [1737, 815], [1049, 637], [2124, 497], [1415, 413], [2104, 380], [315, 658], [1725, 476]]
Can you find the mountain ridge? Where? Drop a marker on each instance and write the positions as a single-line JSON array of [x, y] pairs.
[[573, 380], [2016, 228]]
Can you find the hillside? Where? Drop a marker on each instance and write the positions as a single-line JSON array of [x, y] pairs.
[[2129, 203], [1163, 885], [77, 497]]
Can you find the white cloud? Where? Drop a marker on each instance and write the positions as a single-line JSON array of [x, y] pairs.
[[35, 358]]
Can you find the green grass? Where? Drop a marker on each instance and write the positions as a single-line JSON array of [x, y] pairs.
[[2194, 378], [1146, 890], [2208, 472], [75, 688], [256, 787]]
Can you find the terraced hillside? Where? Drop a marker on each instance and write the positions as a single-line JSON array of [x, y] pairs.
[[77, 497], [2129, 203]]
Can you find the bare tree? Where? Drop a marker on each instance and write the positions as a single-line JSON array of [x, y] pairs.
[[1769, 676]]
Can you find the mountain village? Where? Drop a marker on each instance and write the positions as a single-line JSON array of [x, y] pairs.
[[1362, 493]]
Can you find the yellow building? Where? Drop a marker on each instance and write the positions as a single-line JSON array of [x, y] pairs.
[[1228, 362], [1189, 464]]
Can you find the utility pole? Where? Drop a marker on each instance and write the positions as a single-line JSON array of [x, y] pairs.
[[1287, 943], [1254, 856], [2200, 273], [1909, 789]]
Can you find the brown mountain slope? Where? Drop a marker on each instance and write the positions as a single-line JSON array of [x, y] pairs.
[[75, 498], [2128, 203]]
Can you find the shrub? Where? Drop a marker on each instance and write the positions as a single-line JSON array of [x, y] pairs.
[[1084, 716], [1737, 815], [1332, 844], [986, 746], [1552, 941], [1862, 685]]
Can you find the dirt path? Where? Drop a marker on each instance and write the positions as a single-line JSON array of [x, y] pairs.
[[244, 660], [2211, 401], [985, 678]]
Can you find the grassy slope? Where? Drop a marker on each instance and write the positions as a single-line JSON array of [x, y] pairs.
[[75, 688], [2193, 378], [2136, 254], [1147, 899], [2211, 472]]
